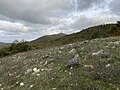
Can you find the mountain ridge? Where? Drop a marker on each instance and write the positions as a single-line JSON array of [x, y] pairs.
[[48, 38], [100, 31]]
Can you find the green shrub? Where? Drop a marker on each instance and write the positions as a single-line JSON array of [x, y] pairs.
[[20, 47], [112, 29], [15, 47]]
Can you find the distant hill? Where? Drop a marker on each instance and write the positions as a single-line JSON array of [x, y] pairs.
[[101, 31], [48, 38], [4, 44]]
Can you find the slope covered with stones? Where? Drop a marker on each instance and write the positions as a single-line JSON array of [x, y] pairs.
[[87, 65]]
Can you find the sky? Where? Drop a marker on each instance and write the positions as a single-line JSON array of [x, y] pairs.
[[30, 19]]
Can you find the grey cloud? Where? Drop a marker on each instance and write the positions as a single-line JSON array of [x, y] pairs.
[[115, 7], [86, 4], [33, 11], [40, 11], [37, 16]]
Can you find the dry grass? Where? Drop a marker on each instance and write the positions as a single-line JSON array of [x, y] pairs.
[[46, 69]]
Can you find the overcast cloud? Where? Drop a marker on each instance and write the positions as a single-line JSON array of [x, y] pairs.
[[30, 19]]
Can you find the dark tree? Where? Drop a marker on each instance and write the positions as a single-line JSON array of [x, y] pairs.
[[118, 23]]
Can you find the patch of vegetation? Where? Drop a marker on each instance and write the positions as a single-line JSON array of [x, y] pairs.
[[15, 47], [46, 69]]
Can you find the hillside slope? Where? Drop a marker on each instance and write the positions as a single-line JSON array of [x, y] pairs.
[[4, 44], [100, 31], [49, 69], [48, 38]]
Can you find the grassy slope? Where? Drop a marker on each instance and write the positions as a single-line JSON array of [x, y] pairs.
[[48, 38], [101, 31], [103, 73]]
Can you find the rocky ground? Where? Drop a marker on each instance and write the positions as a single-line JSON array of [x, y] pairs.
[[87, 65]]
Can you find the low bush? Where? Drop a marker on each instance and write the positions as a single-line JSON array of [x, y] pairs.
[[15, 47]]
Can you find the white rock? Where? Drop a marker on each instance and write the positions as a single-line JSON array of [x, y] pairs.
[[28, 71], [82, 48], [117, 43], [54, 88], [65, 70], [52, 78], [71, 67], [70, 73], [31, 85], [50, 69], [108, 65], [88, 66], [22, 84], [36, 70], [117, 88], [62, 48], [45, 62], [0, 85], [42, 69], [98, 52], [17, 82], [70, 44], [59, 52], [73, 51], [38, 74]]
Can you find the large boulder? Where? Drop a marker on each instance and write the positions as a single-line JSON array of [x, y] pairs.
[[75, 62]]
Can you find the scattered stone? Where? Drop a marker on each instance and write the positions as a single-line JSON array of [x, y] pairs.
[[54, 88], [45, 62], [70, 73], [71, 44], [17, 82], [108, 65], [105, 54], [49, 69], [117, 43], [71, 67], [45, 56], [38, 74], [0, 85], [88, 66], [98, 52], [102, 53], [52, 78], [10, 74], [113, 44], [36, 70], [31, 86], [59, 52], [74, 62], [22, 84], [73, 52], [65, 70], [82, 48], [117, 88], [28, 71], [76, 84]]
